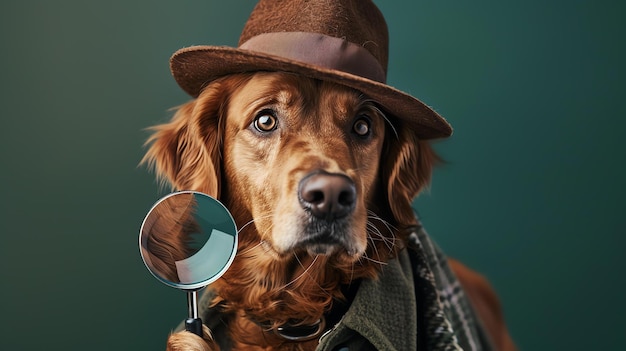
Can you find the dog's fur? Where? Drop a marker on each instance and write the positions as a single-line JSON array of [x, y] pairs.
[[291, 263]]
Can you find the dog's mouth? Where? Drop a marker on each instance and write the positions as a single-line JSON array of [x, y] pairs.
[[327, 238], [317, 237]]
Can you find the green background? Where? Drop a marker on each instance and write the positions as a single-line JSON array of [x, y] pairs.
[[532, 194]]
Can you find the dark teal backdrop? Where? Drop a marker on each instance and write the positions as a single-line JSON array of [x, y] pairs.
[[532, 194]]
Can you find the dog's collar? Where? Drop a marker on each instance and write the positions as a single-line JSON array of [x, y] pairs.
[[295, 331]]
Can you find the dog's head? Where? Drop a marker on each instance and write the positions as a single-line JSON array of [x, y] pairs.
[[305, 166]]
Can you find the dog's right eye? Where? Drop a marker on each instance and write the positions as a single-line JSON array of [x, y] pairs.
[[265, 121]]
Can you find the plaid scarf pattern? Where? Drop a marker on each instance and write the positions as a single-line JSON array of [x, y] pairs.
[[446, 321]]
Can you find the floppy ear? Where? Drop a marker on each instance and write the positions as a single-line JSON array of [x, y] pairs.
[[186, 151], [407, 171]]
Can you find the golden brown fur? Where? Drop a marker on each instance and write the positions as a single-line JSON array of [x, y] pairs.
[[211, 146]]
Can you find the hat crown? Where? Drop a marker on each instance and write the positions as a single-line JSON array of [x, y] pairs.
[[357, 21]]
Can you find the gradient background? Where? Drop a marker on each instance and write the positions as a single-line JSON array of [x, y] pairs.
[[532, 194]]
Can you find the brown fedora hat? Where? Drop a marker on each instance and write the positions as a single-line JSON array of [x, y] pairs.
[[341, 41]]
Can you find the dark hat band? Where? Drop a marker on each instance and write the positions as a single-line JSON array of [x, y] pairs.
[[319, 50]]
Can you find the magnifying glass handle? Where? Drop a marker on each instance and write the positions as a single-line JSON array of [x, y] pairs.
[[193, 324]]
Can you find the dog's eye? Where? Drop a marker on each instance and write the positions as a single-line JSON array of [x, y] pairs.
[[361, 126], [265, 121]]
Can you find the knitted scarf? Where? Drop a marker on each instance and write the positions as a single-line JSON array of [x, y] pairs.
[[446, 316]]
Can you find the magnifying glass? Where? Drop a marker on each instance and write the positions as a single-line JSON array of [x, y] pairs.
[[187, 241]]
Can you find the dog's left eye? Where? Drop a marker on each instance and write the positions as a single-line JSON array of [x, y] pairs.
[[362, 126], [265, 121]]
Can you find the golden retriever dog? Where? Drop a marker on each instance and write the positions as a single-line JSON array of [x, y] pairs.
[[318, 161], [322, 179]]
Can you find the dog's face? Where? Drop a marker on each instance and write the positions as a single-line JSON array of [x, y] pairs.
[[304, 166], [302, 157]]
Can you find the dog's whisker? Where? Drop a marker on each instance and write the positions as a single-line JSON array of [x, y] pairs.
[[253, 220], [245, 225], [390, 241], [374, 246], [261, 243], [388, 244], [305, 272], [374, 230], [249, 250], [374, 234], [365, 257], [267, 231], [301, 274], [373, 215]]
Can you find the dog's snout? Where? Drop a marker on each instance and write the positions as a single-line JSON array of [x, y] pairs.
[[328, 196]]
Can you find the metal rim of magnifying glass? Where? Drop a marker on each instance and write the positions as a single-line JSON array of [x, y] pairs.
[[203, 283]]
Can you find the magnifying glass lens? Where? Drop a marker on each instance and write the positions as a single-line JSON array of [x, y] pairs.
[[188, 240]]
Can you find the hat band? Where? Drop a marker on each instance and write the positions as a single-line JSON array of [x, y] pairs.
[[319, 50]]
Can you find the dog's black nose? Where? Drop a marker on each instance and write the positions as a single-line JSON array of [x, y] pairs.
[[328, 196]]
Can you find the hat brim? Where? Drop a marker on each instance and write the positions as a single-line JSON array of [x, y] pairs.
[[195, 67]]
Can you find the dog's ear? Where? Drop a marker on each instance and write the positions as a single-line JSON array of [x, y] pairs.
[[407, 170], [186, 151]]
